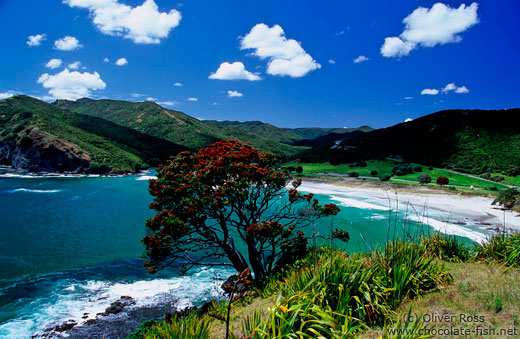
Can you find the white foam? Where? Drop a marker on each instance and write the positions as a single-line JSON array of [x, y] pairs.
[[450, 228], [28, 190], [347, 202], [146, 177], [72, 300]]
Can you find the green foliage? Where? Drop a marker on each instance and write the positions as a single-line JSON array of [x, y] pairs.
[[445, 247], [424, 179], [373, 173], [502, 248], [409, 328], [186, 327], [508, 198], [139, 333]]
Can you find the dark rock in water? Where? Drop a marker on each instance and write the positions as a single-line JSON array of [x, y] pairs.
[[90, 322], [66, 326], [228, 286], [179, 313], [118, 305]]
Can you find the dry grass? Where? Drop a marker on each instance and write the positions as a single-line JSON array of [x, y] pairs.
[[481, 297]]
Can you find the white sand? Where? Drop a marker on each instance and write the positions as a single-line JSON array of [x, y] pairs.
[[471, 217]]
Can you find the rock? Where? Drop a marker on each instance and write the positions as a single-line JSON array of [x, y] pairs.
[[229, 285], [66, 326], [115, 307], [90, 322]]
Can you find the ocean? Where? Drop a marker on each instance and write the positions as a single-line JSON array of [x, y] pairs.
[[70, 246]]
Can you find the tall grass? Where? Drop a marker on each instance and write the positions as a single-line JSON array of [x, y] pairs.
[[186, 327], [446, 247], [502, 248]]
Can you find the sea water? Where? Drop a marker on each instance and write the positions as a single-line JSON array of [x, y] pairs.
[[69, 246]]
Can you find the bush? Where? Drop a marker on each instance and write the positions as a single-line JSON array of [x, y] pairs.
[[373, 173], [385, 177], [424, 179], [186, 327], [299, 169], [361, 163], [445, 247], [497, 178], [417, 169], [353, 174], [486, 176], [442, 181], [502, 248]]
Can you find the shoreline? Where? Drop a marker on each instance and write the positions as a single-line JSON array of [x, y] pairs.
[[10, 172], [476, 209]]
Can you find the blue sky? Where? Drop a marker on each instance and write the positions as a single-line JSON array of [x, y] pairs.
[[289, 63]]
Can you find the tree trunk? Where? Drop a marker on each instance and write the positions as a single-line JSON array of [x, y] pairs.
[[236, 258], [254, 259]]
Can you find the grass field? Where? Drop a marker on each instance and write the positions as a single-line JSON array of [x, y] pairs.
[[384, 167]]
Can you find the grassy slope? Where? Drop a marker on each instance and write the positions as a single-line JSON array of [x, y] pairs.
[[474, 141], [385, 167], [105, 142], [315, 132], [260, 128], [174, 126]]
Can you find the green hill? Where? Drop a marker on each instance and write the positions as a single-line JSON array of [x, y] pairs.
[[475, 141], [36, 136], [177, 127], [263, 129], [316, 132]]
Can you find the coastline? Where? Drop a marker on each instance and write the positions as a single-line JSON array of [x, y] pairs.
[[475, 208]]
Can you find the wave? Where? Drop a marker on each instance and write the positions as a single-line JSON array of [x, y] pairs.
[[146, 177], [71, 299], [450, 228], [358, 204], [28, 190]]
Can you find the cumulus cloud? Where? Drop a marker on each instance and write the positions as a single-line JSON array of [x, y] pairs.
[[461, 90], [121, 62], [360, 59], [193, 99], [8, 94], [143, 24], [71, 85], [234, 71], [429, 27], [36, 40], [68, 43], [234, 94], [167, 103], [429, 91], [74, 65], [53, 63], [177, 84], [286, 56], [106, 60]]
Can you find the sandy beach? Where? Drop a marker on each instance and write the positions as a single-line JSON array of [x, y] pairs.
[[473, 217]]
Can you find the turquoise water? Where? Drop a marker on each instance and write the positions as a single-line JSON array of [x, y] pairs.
[[72, 245]]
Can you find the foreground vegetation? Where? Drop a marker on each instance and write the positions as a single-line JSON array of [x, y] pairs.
[[422, 287]]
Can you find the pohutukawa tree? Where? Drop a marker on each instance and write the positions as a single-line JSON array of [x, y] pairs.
[[228, 204]]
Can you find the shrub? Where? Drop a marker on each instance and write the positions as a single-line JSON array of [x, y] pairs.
[[385, 177], [417, 169], [361, 163], [442, 181], [486, 176], [502, 248], [497, 178], [508, 198], [353, 174], [424, 179], [445, 247], [373, 173], [186, 327]]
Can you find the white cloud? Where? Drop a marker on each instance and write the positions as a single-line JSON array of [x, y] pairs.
[[36, 40], [340, 33], [461, 90], [71, 85], [429, 27], [286, 56], [215, 103], [53, 63], [8, 94], [234, 94], [168, 103], [177, 84], [74, 65], [106, 60], [121, 62], [452, 87], [143, 24], [408, 98], [360, 59], [429, 91], [68, 43], [137, 95], [193, 99], [408, 120], [234, 71], [332, 62], [151, 99]]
